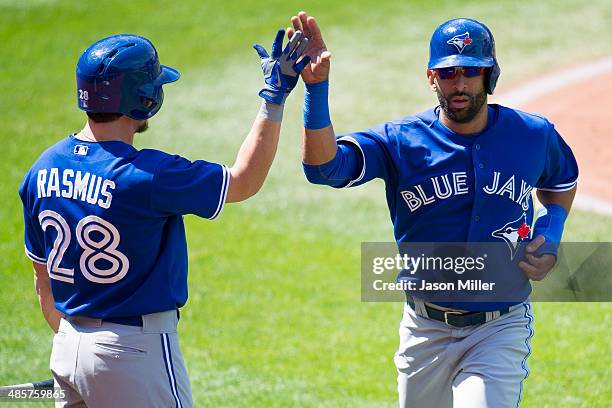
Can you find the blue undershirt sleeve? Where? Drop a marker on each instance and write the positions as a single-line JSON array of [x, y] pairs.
[[338, 172]]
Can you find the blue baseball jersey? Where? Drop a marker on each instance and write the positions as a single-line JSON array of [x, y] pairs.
[[442, 186], [107, 220]]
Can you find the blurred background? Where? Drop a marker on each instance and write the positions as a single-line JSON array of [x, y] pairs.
[[274, 317]]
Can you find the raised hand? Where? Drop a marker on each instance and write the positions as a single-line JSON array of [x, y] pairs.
[[282, 68], [318, 69]]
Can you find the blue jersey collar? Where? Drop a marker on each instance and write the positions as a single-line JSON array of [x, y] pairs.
[[463, 139]]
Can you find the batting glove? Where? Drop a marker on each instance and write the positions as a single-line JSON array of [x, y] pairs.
[[282, 69]]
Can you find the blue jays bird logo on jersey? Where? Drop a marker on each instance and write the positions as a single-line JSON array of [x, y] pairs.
[[513, 233], [460, 41]]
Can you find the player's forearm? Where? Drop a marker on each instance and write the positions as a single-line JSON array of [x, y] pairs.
[[319, 141], [45, 297], [318, 145], [551, 218], [52, 315], [281, 71], [254, 159], [563, 199]]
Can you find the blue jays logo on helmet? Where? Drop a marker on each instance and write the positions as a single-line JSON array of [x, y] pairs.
[[460, 41], [464, 42], [513, 233], [122, 74]]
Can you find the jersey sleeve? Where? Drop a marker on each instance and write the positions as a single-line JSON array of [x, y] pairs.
[[33, 233], [181, 186], [560, 169], [373, 155]]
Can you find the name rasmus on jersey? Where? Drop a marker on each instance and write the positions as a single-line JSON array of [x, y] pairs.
[[456, 183], [76, 185]]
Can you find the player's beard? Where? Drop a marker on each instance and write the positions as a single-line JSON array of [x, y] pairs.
[[466, 114], [143, 127]]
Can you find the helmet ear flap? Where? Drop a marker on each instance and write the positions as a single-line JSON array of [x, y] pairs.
[[150, 95], [154, 105], [147, 103], [487, 80], [491, 78], [495, 70]]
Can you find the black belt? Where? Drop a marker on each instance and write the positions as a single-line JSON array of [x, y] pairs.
[[457, 319], [131, 320]]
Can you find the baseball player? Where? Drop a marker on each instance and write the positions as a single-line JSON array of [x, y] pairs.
[[104, 224], [460, 172]]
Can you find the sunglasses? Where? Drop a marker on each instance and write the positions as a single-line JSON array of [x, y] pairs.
[[451, 72]]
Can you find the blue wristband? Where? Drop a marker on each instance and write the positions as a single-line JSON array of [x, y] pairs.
[[316, 107], [549, 223]]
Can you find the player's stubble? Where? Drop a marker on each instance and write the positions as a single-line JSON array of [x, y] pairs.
[[466, 114]]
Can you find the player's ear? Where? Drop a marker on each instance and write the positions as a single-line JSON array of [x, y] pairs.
[[431, 78]]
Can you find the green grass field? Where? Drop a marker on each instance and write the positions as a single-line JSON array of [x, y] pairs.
[[274, 317]]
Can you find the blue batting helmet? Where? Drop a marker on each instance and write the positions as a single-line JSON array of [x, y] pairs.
[[463, 42], [122, 74]]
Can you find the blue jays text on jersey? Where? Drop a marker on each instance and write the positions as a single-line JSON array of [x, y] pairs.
[[442, 186], [107, 221], [455, 183]]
